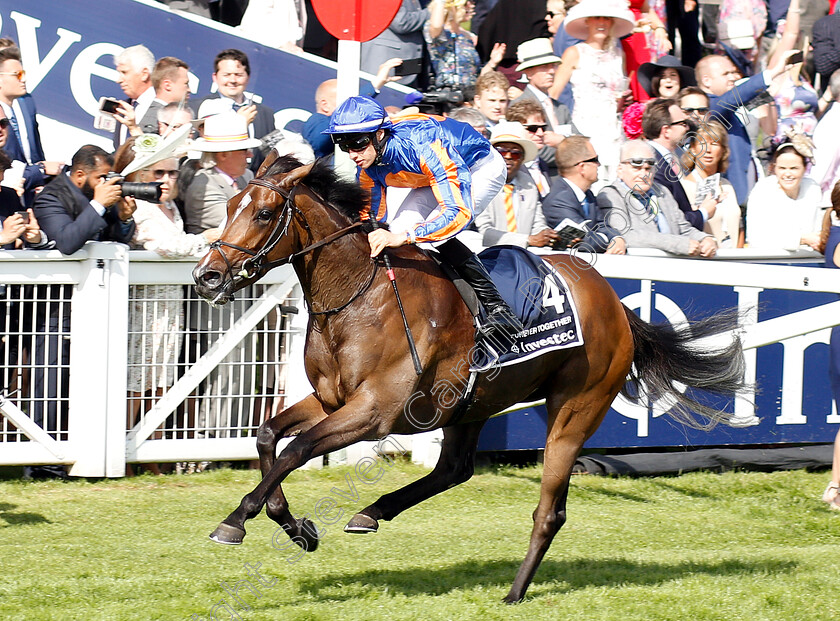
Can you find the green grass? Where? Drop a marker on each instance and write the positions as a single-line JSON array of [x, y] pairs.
[[751, 546]]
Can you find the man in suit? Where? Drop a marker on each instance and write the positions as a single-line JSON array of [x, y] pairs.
[[646, 215], [491, 97], [531, 115], [23, 140], [664, 125], [231, 74], [539, 64], [402, 39], [170, 79], [75, 207], [134, 68], [571, 197], [223, 170], [826, 46], [716, 75], [514, 216], [82, 205]]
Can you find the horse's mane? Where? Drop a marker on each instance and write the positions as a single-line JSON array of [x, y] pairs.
[[345, 196]]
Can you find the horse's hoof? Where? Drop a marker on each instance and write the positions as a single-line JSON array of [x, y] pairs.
[[228, 535], [361, 523], [308, 537]]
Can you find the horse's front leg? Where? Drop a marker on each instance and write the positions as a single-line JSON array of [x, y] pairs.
[[358, 420], [295, 419]]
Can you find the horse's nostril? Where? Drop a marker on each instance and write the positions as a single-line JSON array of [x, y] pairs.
[[210, 277]]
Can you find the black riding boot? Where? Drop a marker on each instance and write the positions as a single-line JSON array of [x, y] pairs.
[[472, 270]]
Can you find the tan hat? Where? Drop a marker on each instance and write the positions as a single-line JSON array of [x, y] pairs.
[[534, 53], [227, 131], [623, 20], [512, 131]]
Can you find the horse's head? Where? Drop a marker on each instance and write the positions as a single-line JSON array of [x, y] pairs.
[[269, 221]]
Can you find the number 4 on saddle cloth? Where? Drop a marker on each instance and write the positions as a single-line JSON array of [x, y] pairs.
[[538, 294]]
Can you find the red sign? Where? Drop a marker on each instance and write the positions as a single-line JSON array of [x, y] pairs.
[[355, 20]]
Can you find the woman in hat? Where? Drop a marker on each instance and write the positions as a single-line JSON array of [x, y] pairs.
[[783, 210], [156, 312], [595, 69], [649, 40], [665, 77]]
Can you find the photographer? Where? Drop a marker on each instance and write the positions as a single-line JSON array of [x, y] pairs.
[[85, 203]]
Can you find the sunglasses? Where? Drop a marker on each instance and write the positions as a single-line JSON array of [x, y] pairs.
[[535, 128], [591, 160], [553, 14], [160, 174], [352, 142], [4, 123], [684, 123], [640, 162], [697, 110], [514, 154], [20, 75]]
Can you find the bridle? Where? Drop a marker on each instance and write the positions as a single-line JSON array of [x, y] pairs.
[[257, 264]]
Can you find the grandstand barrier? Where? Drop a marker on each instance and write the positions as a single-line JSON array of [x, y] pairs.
[[85, 383]]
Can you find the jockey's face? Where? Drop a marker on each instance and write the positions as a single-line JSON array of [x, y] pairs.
[[365, 156]]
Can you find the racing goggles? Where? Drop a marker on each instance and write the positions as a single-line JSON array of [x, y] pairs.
[[352, 142]]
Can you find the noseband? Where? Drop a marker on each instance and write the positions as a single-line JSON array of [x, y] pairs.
[[257, 262]]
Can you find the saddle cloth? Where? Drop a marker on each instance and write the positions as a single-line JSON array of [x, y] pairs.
[[539, 296]]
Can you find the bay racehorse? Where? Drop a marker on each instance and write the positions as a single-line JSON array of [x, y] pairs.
[[358, 362]]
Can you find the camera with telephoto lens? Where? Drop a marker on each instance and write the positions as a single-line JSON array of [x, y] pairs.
[[440, 101], [149, 192]]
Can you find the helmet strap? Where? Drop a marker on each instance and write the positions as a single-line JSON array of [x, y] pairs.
[[379, 146]]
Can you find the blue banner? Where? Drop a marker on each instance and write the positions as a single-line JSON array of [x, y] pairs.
[[793, 399], [68, 50]]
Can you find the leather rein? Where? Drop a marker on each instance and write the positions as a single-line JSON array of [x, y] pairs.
[[257, 263]]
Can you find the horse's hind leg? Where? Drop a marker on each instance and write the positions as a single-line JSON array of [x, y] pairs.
[[455, 466], [577, 420]]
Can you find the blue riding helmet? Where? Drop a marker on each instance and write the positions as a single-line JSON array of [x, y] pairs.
[[357, 115]]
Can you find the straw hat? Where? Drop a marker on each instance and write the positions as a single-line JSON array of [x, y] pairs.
[[534, 53], [151, 148], [623, 24], [511, 131], [225, 132]]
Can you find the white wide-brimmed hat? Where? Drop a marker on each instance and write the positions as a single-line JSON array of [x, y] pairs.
[[623, 20], [512, 131], [227, 131], [151, 148], [738, 33], [534, 53]]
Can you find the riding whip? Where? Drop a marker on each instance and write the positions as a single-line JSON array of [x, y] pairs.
[[418, 368]]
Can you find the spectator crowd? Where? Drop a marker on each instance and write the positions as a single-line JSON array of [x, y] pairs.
[[681, 125]]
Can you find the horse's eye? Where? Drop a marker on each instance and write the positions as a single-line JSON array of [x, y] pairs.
[[265, 215]]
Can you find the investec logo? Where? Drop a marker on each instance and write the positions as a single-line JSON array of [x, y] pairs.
[[95, 59]]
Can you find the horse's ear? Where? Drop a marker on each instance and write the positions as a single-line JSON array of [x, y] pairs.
[[267, 162], [296, 175]]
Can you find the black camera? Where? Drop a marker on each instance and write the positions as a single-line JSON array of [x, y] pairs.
[[440, 101], [149, 192]]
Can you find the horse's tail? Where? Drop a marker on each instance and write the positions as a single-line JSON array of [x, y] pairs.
[[664, 356]]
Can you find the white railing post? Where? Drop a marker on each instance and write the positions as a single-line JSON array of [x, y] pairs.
[[98, 349]]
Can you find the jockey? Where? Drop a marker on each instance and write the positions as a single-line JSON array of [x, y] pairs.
[[453, 173]]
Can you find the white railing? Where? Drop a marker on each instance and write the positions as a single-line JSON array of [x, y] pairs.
[[232, 368]]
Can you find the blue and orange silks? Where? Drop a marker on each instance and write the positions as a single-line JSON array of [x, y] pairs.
[[429, 151]]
